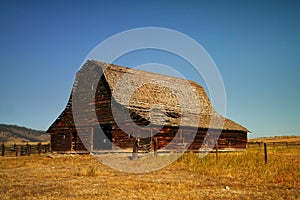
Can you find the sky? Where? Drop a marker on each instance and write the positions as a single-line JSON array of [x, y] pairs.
[[254, 44]]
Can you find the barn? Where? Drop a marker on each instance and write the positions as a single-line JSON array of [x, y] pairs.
[[138, 108]]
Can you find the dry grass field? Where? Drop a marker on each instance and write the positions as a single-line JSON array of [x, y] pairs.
[[242, 175]]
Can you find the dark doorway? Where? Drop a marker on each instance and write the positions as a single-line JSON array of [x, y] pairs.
[[102, 141]]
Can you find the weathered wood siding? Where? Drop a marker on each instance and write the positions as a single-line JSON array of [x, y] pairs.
[[170, 138]]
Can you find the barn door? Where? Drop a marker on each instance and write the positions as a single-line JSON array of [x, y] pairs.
[[102, 141]]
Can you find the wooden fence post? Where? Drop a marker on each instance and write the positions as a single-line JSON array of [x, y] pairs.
[[28, 149], [39, 147], [217, 152], [21, 150], [135, 149], [16, 149], [266, 153], [286, 144], [3, 149], [155, 146]]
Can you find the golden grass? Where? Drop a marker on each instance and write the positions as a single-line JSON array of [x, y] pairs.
[[240, 175], [283, 167]]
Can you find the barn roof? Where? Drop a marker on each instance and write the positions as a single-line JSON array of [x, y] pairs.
[[161, 99]]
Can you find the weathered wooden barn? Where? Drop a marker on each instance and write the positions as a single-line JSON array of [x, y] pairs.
[[131, 105]]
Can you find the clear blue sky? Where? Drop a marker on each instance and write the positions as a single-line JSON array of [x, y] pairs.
[[255, 44]]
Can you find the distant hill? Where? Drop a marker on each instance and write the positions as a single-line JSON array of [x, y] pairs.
[[14, 133]]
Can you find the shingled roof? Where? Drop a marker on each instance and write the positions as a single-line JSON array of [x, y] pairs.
[[161, 99]]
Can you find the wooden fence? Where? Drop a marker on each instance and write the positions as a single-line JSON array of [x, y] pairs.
[[24, 149], [266, 145], [272, 144]]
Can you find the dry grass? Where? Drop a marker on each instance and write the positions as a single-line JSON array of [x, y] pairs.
[[282, 169], [236, 176]]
